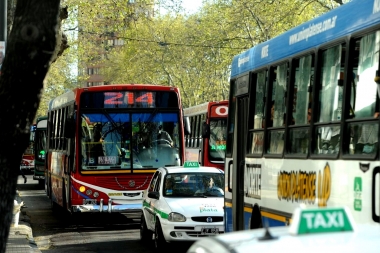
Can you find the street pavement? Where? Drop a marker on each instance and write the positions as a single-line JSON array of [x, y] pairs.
[[20, 238]]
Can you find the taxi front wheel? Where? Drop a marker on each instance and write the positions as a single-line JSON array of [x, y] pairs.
[[159, 239], [145, 233]]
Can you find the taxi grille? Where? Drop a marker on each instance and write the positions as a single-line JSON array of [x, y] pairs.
[[199, 234], [204, 218]]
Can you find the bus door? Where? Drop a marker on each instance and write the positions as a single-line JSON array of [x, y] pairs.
[[376, 194], [239, 145], [240, 134]]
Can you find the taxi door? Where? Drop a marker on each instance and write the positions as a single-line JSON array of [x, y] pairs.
[[149, 206]]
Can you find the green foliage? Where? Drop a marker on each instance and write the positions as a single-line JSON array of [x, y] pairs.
[[60, 78], [192, 52]]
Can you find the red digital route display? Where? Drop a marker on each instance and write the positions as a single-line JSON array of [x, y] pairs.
[[129, 98]]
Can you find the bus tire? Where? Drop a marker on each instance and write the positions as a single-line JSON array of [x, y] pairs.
[[145, 233], [41, 183], [159, 240], [54, 206], [48, 187], [256, 219]]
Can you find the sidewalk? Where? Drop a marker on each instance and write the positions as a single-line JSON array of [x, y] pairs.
[[21, 237]]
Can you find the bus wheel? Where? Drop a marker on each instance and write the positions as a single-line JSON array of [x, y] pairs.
[[145, 233], [256, 220], [159, 240], [54, 206], [48, 188], [41, 183]]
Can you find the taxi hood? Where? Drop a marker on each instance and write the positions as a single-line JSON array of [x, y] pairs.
[[197, 206]]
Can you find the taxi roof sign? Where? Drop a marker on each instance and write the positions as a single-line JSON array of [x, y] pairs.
[[321, 220], [191, 164]]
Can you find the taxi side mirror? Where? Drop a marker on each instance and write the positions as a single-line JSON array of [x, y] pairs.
[[154, 195]]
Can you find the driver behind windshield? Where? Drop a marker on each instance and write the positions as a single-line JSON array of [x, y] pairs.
[[163, 137]]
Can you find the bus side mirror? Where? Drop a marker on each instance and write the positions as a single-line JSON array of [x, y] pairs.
[[377, 80], [70, 127], [186, 124], [205, 130]]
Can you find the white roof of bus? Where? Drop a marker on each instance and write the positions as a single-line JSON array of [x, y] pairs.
[[197, 109], [42, 124], [365, 238]]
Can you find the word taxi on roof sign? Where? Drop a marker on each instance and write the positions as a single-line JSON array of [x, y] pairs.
[[191, 164], [321, 220]]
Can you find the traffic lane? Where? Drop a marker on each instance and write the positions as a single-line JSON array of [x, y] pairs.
[[94, 232]]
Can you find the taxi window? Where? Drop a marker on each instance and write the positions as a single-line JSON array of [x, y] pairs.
[[153, 182], [158, 183]]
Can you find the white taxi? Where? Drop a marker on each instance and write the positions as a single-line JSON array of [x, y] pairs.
[[183, 204], [312, 230]]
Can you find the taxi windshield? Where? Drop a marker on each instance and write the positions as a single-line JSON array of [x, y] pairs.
[[194, 185]]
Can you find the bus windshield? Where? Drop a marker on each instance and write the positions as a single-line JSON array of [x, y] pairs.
[[217, 141], [40, 145], [129, 140]]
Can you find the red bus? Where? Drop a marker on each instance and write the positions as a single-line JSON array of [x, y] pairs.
[[27, 161], [104, 145], [206, 142]]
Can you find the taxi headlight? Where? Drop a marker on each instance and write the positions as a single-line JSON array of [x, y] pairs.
[[177, 217]]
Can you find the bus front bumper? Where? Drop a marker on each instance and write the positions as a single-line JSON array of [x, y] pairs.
[[110, 208]]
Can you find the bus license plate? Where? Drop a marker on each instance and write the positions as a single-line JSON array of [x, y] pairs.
[[89, 202], [210, 231]]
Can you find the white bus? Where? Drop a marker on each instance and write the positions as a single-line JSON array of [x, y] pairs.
[[303, 125]]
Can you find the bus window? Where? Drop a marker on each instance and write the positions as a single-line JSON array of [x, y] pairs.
[[364, 136], [256, 136], [259, 100], [365, 97], [330, 101], [276, 137], [299, 137]]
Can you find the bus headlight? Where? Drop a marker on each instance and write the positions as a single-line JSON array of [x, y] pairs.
[[176, 217], [88, 192], [82, 188], [96, 194]]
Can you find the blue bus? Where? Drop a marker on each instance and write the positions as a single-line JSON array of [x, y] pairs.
[[303, 125]]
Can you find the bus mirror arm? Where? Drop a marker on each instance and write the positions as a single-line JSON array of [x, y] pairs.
[[186, 123], [205, 130], [377, 80], [70, 127]]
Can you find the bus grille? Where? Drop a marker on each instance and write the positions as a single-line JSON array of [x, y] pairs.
[[137, 182]]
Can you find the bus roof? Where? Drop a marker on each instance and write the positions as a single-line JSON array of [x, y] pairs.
[[71, 95], [339, 22]]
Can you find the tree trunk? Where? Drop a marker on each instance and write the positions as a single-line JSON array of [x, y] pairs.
[[29, 50]]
